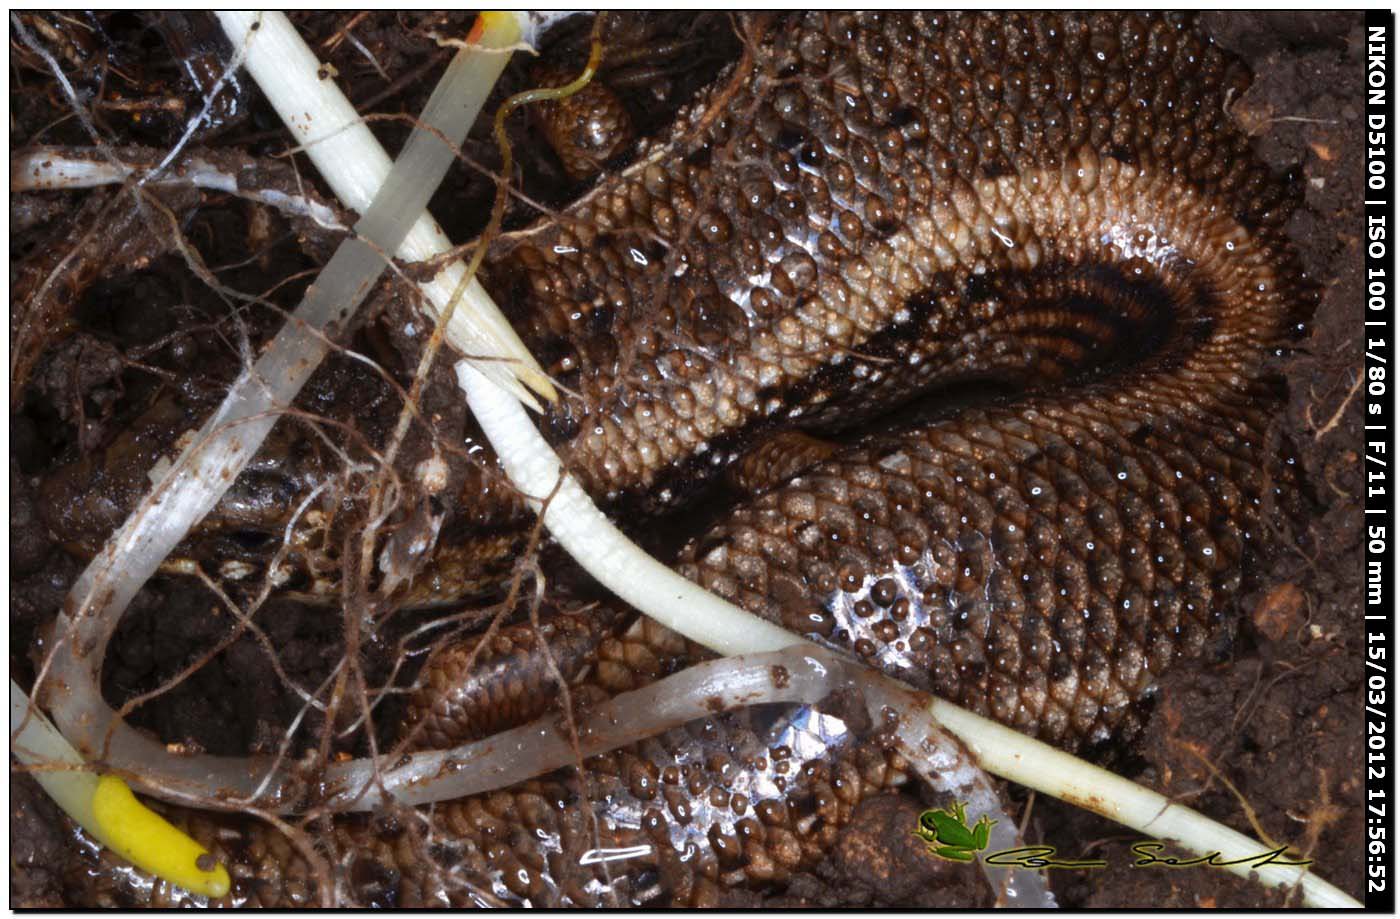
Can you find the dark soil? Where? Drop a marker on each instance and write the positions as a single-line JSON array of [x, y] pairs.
[[1266, 739]]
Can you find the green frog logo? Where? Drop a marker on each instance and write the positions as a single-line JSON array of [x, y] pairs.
[[948, 835]]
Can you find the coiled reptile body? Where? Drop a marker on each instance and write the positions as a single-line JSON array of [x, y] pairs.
[[870, 207]]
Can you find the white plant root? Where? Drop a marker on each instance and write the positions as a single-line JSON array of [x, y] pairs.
[[61, 168], [57, 767], [191, 486], [350, 159]]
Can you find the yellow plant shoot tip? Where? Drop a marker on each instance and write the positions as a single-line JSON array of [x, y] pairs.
[[495, 28], [147, 840]]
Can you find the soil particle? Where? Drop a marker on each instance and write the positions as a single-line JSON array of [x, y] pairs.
[[29, 544], [1279, 613], [39, 847]]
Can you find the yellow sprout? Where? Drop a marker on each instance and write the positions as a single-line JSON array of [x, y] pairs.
[[106, 808], [147, 840]]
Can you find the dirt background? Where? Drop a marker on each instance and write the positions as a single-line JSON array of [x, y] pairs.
[[1266, 739]]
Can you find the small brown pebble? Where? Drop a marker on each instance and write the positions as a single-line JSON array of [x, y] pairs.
[[1278, 613]]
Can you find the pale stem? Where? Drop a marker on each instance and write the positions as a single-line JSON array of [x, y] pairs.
[[219, 451], [353, 163], [62, 169]]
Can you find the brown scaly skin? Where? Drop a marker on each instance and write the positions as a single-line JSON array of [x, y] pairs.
[[703, 811], [504, 848], [885, 204], [587, 129], [477, 687]]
